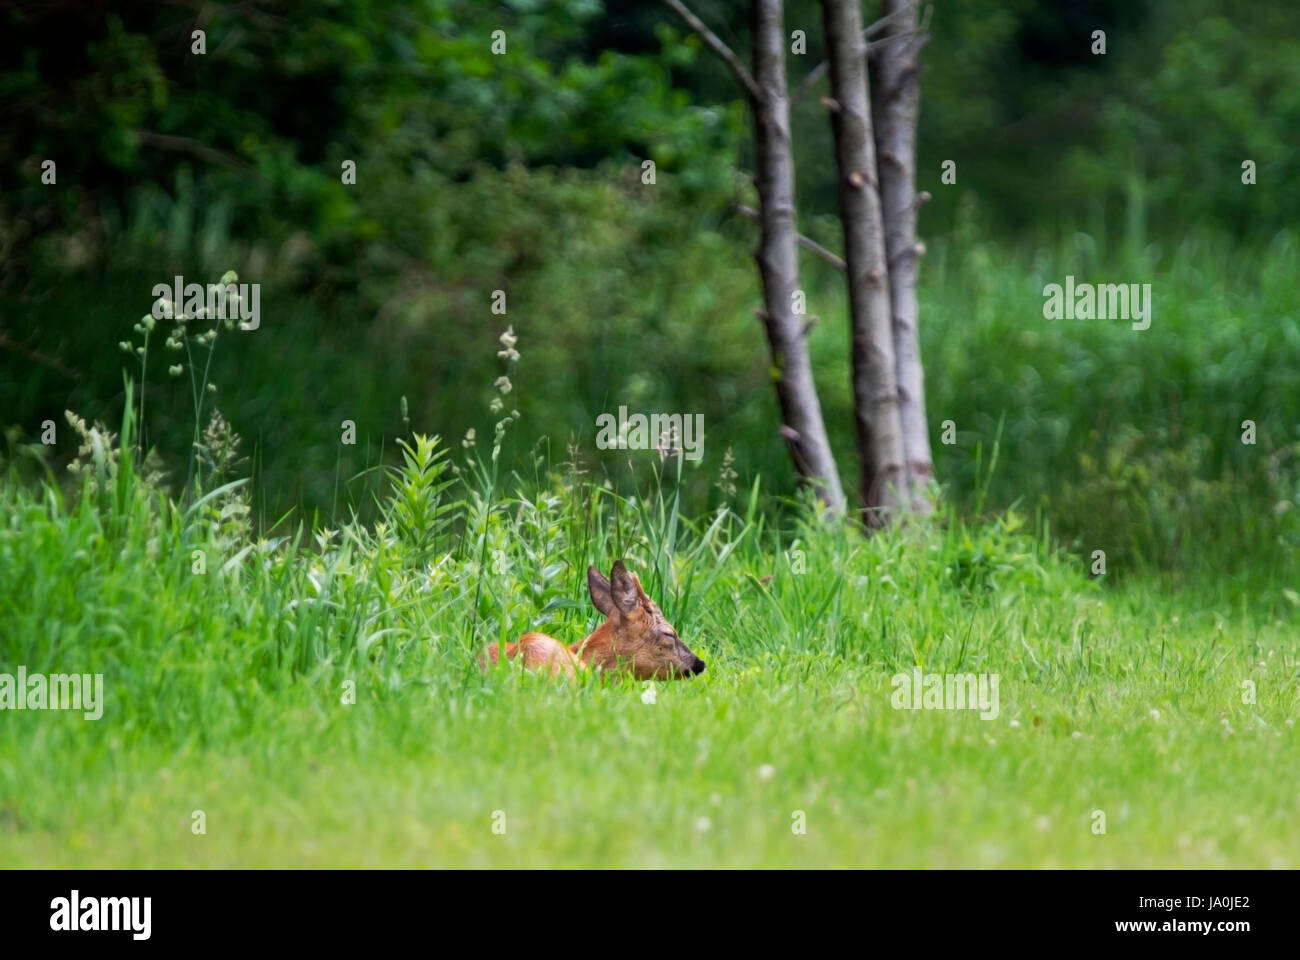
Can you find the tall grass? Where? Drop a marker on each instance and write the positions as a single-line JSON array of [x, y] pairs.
[[315, 688], [458, 556], [317, 692], [1125, 441]]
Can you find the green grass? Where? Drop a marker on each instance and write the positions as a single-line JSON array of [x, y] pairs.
[[225, 689], [1129, 441]]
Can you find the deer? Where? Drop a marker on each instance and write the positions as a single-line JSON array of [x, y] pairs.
[[635, 640]]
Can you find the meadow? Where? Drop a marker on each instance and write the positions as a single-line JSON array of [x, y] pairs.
[[310, 684]]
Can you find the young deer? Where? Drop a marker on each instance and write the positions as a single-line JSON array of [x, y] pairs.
[[635, 638]]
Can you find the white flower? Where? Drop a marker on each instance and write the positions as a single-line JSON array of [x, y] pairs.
[[503, 384]]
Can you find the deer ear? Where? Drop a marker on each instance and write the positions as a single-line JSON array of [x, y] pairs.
[[623, 588], [598, 587]]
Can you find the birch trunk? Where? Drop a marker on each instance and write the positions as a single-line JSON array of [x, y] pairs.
[[875, 388], [895, 96], [801, 413]]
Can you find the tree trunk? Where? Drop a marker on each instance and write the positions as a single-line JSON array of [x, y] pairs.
[[875, 388], [895, 95], [801, 413]]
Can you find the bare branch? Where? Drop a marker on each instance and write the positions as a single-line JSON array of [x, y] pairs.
[[195, 148], [714, 43], [819, 71], [812, 246], [8, 343]]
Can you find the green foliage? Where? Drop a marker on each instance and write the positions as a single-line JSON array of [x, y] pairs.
[[341, 667], [1130, 441], [1219, 89], [261, 124], [417, 594], [621, 316], [416, 508]]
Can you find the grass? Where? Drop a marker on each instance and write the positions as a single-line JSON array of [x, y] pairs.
[[226, 689], [230, 639], [1130, 441]]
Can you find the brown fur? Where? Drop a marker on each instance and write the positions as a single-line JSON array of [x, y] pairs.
[[540, 651], [636, 638]]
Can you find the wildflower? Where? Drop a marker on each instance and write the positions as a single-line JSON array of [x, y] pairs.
[[503, 384], [175, 369], [726, 481], [668, 444]]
